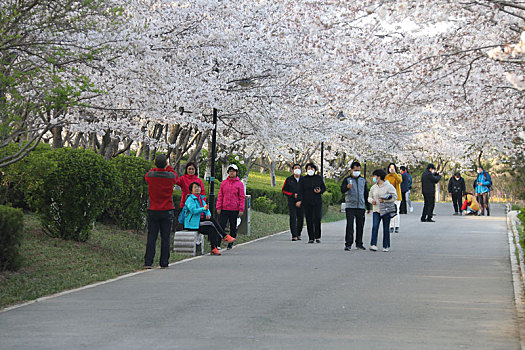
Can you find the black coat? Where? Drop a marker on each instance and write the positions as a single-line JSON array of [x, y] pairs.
[[306, 190], [456, 186], [429, 181], [290, 188]]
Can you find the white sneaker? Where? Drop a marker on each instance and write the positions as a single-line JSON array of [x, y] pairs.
[[411, 209], [373, 247], [386, 249]]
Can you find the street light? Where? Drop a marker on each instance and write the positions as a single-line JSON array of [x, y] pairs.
[[211, 195]]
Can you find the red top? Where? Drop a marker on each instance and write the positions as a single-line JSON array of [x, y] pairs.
[[160, 187], [202, 205], [184, 182]]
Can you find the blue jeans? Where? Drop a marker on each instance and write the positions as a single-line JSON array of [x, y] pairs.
[[377, 218], [159, 220]]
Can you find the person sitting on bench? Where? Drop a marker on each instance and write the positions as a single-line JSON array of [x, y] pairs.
[[198, 218]]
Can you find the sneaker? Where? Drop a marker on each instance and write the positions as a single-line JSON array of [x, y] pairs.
[[228, 239], [230, 246], [294, 238], [218, 247], [456, 213], [317, 241], [430, 220], [298, 238], [411, 209], [148, 267], [360, 247], [311, 241], [391, 230], [373, 248], [348, 248], [386, 249], [396, 230], [164, 267], [215, 251]]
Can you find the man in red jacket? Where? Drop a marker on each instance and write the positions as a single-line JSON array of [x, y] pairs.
[[161, 180]]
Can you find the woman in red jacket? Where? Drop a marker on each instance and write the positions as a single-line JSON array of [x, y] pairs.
[[189, 177], [230, 201]]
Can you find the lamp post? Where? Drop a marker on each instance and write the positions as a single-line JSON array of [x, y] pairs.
[[322, 159], [211, 195]]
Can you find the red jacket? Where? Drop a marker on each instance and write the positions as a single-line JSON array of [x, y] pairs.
[[184, 182], [231, 195], [160, 187]]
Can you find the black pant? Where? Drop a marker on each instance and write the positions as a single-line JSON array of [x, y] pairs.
[[359, 216], [211, 228], [313, 214], [457, 201], [403, 205], [483, 200], [158, 220], [231, 216], [428, 207], [296, 219]]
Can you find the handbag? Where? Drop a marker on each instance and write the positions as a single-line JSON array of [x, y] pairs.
[[389, 208]]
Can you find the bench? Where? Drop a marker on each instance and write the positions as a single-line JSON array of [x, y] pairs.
[[191, 242]]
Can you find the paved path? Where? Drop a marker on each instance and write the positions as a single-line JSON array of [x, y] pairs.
[[445, 285]]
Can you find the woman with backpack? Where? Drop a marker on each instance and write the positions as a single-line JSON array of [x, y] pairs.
[[197, 216], [482, 186]]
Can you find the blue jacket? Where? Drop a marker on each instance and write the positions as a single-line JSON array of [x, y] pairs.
[[193, 212], [485, 180], [407, 182]]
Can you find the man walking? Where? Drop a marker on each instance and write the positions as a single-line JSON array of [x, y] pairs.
[[456, 187], [404, 189], [291, 189], [429, 179], [161, 180], [482, 186], [356, 199]]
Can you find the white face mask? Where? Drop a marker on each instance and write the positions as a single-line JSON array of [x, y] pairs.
[[310, 172], [297, 171], [356, 173]]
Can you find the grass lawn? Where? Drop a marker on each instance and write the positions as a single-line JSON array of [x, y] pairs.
[[52, 265]]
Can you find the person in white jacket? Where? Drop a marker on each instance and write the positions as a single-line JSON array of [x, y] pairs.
[[380, 193]]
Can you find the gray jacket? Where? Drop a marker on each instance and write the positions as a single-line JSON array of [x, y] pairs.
[[357, 196]]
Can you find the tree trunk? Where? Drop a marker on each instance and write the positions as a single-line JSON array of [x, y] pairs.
[[272, 173], [58, 142]]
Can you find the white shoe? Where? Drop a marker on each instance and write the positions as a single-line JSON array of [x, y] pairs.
[[411, 209], [386, 249], [374, 248]]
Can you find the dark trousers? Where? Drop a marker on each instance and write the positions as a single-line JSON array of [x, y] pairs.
[[457, 201], [483, 200], [296, 219], [313, 214], [403, 205], [158, 220], [359, 216], [376, 220], [211, 228], [428, 207], [231, 216]]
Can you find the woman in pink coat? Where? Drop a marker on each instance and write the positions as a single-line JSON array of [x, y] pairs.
[[230, 201], [189, 177]]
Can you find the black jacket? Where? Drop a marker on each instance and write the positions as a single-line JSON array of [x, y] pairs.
[[456, 186], [290, 188], [429, 181], [306, 190]]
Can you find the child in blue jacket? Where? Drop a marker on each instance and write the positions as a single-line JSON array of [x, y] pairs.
[[198, 217]]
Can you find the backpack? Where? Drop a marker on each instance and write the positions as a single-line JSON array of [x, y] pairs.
[[182, 215]]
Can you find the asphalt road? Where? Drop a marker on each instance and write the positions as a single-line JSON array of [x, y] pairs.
[[444, 285]]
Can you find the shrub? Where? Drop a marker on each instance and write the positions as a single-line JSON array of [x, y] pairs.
[[335, 191], [11, 225], [22, 179], [127, 207], [521, 216], [264, 205], [74, 192]]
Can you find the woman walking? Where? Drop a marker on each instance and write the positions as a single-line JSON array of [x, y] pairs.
[[230, 201], [395, 180], [311, 187], [198, 217], [380, 193]]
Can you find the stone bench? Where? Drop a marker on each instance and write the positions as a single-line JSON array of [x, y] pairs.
[[190, 242]]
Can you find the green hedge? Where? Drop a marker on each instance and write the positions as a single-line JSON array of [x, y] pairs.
[[11, 225], [74, 192], [128, 207]]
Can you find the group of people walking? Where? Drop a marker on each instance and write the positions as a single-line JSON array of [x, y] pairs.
[[387, 198]]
